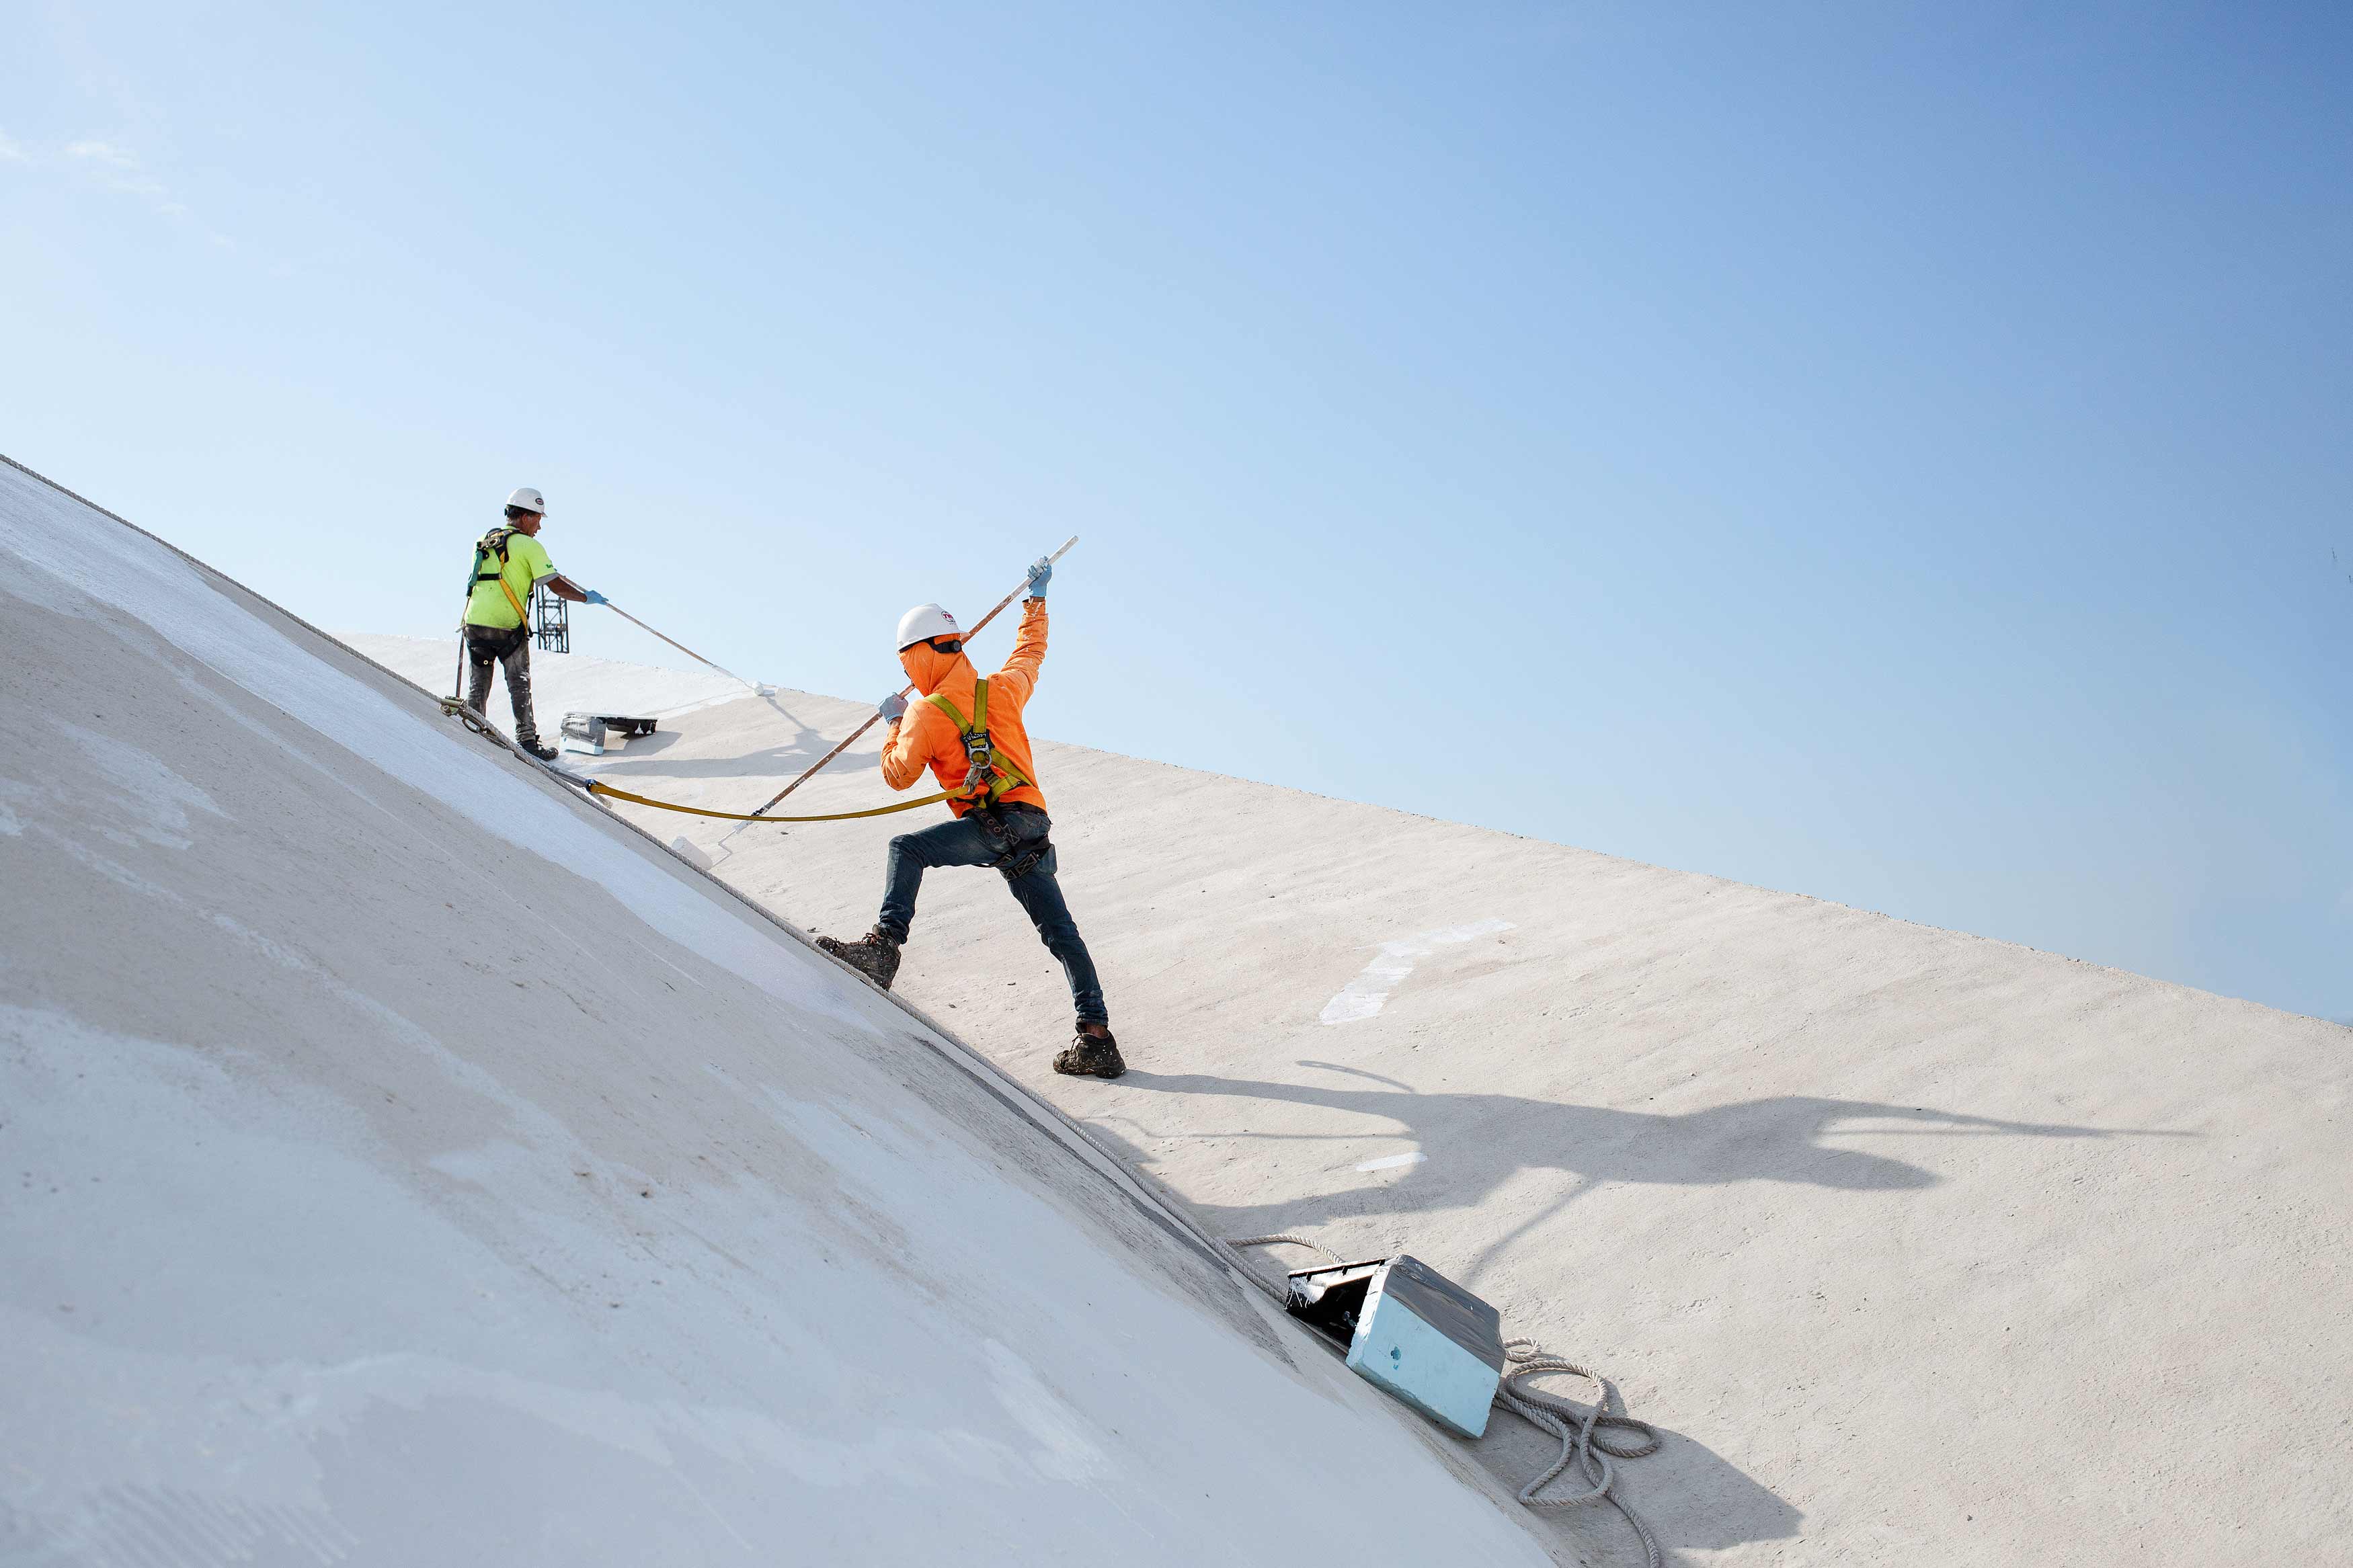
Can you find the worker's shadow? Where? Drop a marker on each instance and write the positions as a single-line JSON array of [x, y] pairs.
[[1479, 1142]]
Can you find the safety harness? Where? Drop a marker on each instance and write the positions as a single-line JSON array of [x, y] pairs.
[[494, 546], [988, 774]]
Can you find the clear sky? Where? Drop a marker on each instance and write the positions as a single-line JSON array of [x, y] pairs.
[[1890, 452]]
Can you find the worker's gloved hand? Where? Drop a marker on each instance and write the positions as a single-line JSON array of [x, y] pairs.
[[1039, 575], [893, 707], [590, 596]]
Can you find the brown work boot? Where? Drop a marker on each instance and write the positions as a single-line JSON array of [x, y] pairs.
[[1094, 1054], [874, 955]]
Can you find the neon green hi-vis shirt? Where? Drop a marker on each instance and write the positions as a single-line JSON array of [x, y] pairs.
[[527, 563]]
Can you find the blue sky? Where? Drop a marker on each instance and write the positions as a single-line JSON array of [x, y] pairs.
[[1887, 452]]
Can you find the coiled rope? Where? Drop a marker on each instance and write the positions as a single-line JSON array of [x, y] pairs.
[[1580, 1443], [1579, 1427]]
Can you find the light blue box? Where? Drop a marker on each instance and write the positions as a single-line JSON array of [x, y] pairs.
[[1430, 1343]]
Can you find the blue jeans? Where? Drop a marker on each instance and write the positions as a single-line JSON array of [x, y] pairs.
[[968, 842]]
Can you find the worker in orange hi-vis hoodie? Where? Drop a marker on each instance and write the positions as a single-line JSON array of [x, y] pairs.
[[967, 731]]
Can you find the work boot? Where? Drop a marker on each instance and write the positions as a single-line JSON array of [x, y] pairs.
[[874, 955], [545, 754], [1094, 1054]]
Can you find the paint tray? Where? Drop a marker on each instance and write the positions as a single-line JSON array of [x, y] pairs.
[[1411, 1331]]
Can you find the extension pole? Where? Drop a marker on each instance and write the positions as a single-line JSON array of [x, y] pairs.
[[870, 718], [679, 646]]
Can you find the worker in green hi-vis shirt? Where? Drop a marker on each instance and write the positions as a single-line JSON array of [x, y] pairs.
[[509, 563]]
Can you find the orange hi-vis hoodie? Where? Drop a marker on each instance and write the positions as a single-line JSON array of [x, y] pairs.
[[927, 737]]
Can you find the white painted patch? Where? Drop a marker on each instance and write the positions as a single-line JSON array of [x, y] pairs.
[[140, 800], [185, 1122], [1362, 997], [1392, 1162], [152, 800], [1067, 1451]]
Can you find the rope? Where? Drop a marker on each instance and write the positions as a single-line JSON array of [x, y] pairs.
[[1579, 1430], [594, 787], [1582, 1444], [455, 706], [1287, 1241]]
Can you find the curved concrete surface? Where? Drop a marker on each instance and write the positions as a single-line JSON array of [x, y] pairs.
[[1922, 1248], [407, 1163]]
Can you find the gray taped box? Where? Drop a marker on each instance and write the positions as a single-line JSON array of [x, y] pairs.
[[1411, 1331], [1430, 1343]]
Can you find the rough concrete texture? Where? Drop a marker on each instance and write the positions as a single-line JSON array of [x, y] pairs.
[[407, 1163], [1922, 1248]]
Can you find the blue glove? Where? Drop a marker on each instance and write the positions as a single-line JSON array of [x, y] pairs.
[[1039, 575], [893, 708], [594, 597]]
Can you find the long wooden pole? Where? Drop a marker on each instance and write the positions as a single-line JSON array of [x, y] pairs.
[[816, 766]]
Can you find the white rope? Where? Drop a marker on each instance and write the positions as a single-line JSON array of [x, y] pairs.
[[1287, 1241], [1581, 1443], [1579, 1429]]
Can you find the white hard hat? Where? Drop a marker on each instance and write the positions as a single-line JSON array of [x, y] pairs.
[[924, 623], [529, 500]]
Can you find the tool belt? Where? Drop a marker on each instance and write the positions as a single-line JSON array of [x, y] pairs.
[[1015, 861]]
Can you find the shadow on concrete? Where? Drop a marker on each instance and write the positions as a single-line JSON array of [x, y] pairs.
[[1479, 1142], [1692, 1498], [1696, 1499]]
